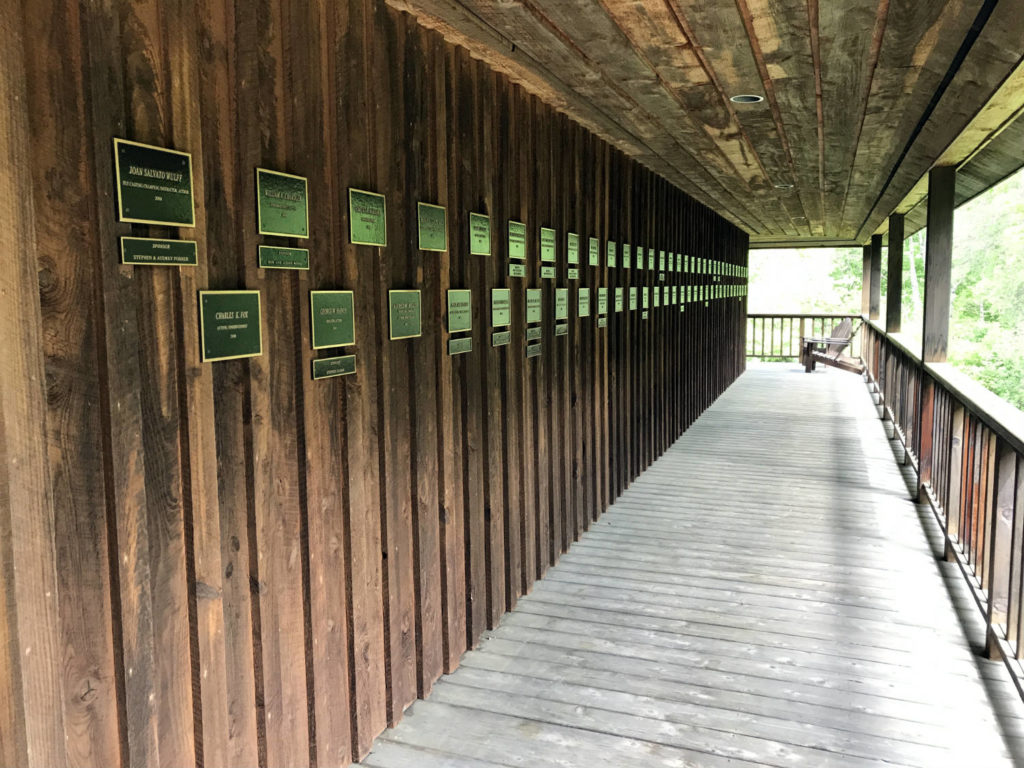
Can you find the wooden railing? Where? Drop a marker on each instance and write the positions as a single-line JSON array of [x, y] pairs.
[[777, 337], [967, 446]]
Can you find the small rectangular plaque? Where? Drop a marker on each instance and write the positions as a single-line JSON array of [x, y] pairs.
[[632, 298], [534, 313], [329, 367], [562, 329], [432, 226], [332, 315], [547, 272], [611, 253], [602, 301], [547, 244], [627, 255], [501, 307], [516, 240], [501, 338], [282, 206], [273, 257], [650, 259], [230, 325], [561, 303], [479, 234], [367, 218], [535, 333], [460, 310], [619, 299], [644, 315], [533, 350], [647, 297], [404, 314], [657, 296], [460, 346], [595, 252], [572, 248], [148, 251], [154, 184], [517, 270], [574, 274], [584, 302], [661, 261], [602, 322]]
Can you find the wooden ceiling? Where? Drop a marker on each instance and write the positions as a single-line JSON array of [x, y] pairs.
[[861, 97]]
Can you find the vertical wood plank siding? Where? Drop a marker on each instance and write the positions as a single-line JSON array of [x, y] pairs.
[[230, 564]]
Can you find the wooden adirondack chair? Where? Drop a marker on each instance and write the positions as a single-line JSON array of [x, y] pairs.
[[830, 350]]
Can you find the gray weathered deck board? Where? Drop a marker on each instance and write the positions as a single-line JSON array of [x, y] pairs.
[[765, 594]]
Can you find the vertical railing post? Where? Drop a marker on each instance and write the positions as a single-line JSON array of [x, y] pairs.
[[1001, 532], [894, 273], [875, 278], [865, 292]]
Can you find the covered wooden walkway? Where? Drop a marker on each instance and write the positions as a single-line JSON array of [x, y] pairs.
[[765, 594]]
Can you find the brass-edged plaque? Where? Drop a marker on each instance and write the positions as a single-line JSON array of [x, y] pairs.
[[154, 184], [516, 240], [584, 302], [574, 274], [547, 244], [602, 301], [329, 367], [333, 317], [619, 299], [547, 272], [153, 252], [517, 270], [534, 305], [274, 257], [479, 234], [501, 307], [282, 204], [611, 253], [404, 314], [561, 329], [572, 248], [230, 326], [632, 298], [460, 310], [534, 333], [367, 218], [627, 256], [595, 252], [501, 338], [460, 346], [561, 303], [532, 350], [432, 227], [602, 321]]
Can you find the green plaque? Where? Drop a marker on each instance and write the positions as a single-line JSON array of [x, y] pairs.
[[282, 206], [675, 294], [647, 297], [517, 270], [561, 303], [602, 301], [150, 251], [273, 257], [572, 248], [535, 333], [686, 264], [501, 307], [661, 261], [547, 273], [333, 316], [432, 225], [632, 298], [516, 240], [657, 297], [602, 322], [595, 252], [229, 325], [501, 338], [329, 367], [547, 244], [533, 350], [644, 315], [460, 310], [367, 218], [611, 253], [404, 314], [534, 305], [584, 302], [460, 346], [671, 262], [619, 299], [479, 234], [154, 184], [664, 295], [627, 255], [650, 259], [574, 274], [562, 329]]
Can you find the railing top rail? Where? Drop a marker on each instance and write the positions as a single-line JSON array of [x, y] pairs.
[[807, 315]]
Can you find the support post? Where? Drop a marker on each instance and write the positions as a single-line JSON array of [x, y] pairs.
[[865, 295], [894, 272], [875, 287]]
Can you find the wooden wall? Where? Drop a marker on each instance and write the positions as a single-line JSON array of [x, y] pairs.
[[230, 564]]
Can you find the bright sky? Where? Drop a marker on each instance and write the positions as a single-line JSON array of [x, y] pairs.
[[790, 280]]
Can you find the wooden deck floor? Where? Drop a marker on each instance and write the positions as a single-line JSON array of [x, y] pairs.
[[765, 594]]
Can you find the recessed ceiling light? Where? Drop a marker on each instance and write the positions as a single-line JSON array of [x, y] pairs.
[[747, 98], [783, 186]]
